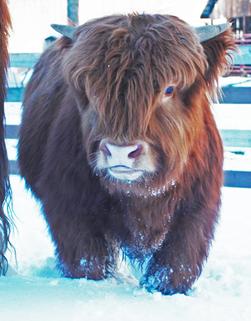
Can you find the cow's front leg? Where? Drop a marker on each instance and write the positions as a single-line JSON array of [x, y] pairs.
[[90, 258], [178, 263], [78, 226]]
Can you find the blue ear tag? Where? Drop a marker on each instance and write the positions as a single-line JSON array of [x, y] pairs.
[[169, 90]]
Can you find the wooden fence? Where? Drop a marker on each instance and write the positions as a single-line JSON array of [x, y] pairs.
[[236, 139]]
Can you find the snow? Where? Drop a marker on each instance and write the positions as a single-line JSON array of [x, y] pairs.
[[233, 116], [235, 81], [237, 159], [34, 291]]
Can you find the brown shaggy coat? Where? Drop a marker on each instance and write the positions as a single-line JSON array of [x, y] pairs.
[[108, 82], [4, 180]]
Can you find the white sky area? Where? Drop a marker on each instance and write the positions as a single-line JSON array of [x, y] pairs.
[[32, 18]]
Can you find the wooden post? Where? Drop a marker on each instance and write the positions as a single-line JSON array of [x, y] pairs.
[[245, 10], [72, 12]]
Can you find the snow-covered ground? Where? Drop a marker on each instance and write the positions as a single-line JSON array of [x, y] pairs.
[[33, 290]]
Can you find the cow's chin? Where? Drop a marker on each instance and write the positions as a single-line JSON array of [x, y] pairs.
[[134, 183], [125, 175], [122, 180]]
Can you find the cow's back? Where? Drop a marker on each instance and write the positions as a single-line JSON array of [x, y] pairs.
[[43, 98]]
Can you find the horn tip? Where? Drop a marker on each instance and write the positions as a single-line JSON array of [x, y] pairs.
[[56, 27], [65, 30]]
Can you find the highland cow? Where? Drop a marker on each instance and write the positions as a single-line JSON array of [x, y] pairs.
[[5, 193], [119, 144]]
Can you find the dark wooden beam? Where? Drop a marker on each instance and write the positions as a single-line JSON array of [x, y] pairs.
[[237, 179], [72, 12], [24, 60], [231, 178], [235, 95], [208, 9], [15, 94], [236, 138], [13, 167]]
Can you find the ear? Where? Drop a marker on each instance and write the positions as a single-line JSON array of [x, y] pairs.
[[219, 51]]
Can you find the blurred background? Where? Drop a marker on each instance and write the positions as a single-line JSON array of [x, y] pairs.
[[32, 18]]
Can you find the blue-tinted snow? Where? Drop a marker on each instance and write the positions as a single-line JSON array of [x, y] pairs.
[[34, 291]]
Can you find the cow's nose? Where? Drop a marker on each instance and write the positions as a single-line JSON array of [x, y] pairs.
[[105, 150], [121, 151], [136, 151]]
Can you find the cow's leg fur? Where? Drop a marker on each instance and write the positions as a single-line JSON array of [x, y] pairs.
[[178, 263], [83, 254], [78, 228], [90, 257]]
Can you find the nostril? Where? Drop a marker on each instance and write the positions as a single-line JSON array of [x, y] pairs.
[[103, 148], [136, 152]]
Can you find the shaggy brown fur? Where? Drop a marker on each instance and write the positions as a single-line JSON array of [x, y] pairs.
[[108, 83], [4, 180]]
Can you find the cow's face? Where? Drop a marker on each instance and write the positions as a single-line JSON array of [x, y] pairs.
[[140, 83]]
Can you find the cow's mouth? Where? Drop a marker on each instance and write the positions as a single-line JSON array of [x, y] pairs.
[[123, 172]]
